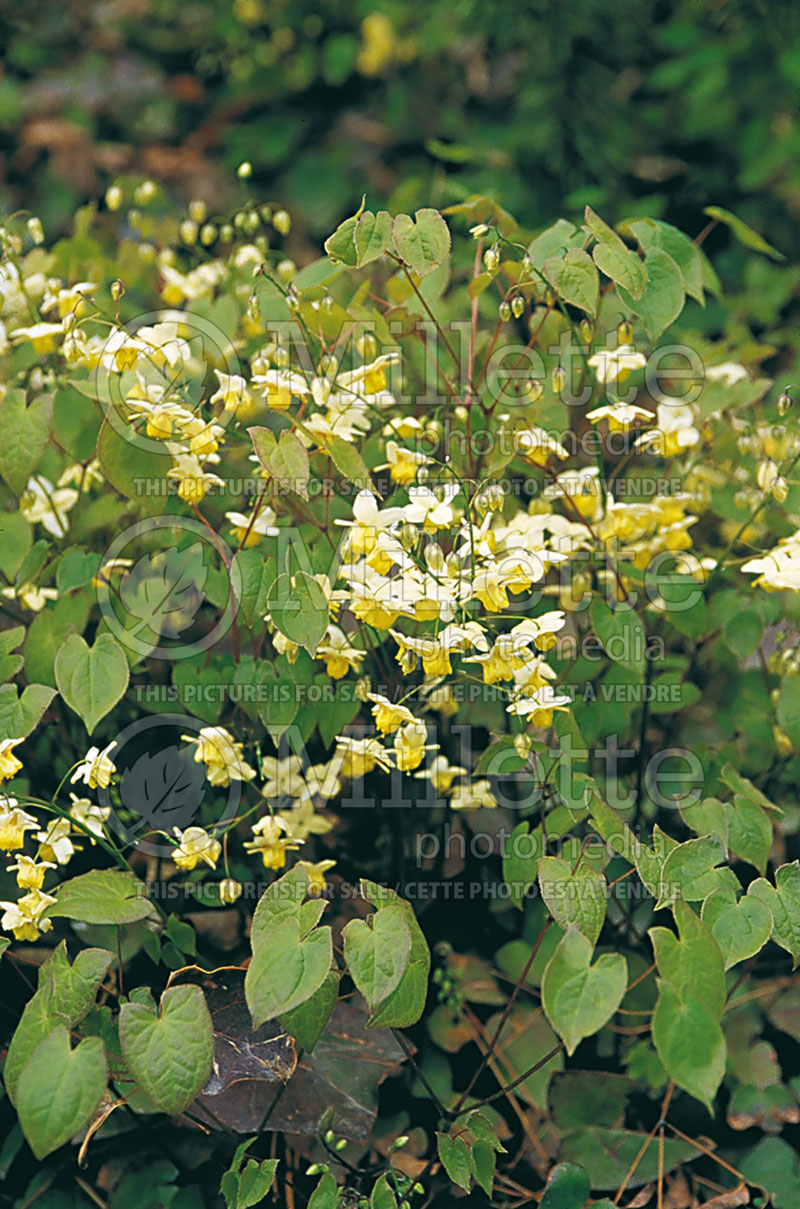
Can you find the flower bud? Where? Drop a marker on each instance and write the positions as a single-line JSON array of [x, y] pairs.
[[504, 311], [491, 258], [114, 197], [533, 390], [188, 231], [784, 403], [625, 332], [526, 264], [281, 357], [229, 890], [117, 289], [292, 301], [783, 744], [479, 230], [367, 346], [226, 232], [559, 379], [327, 304], [282, 222], [460, 412], [779, 489], [35, 230], [245, 170], [208, 234], [145, 192], [363, 688], [286, 270], [586, 330], [517, 306], [766, 474], [522, 746]]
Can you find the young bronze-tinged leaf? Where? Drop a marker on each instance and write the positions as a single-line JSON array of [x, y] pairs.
[[169, 1052], [60, 1089]]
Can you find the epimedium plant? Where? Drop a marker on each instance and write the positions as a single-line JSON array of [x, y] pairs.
[[437, 553]]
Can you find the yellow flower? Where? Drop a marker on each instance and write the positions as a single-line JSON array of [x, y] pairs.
[[23, 918], [9, 764], [402, 464], [538, 446], [473, 796], [360, 756], [387, 715], [195, 844], [30, 596], [316, 874], [14, 822], [41, 335], [540, 706], [221, 755], [42, 503], [340, 657], [193, 481], [409, 746], [620, 416], [378, 43], [441, 773], [248, 531], [614, 365], [96, 768], [232, 392], [55, 843], [90, 815], [270, 841], [30, 873]]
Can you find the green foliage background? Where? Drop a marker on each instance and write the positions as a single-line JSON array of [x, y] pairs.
[[546, 104]]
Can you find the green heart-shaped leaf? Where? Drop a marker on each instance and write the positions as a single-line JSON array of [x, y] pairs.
[[170, 1053], [60, 1089]]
